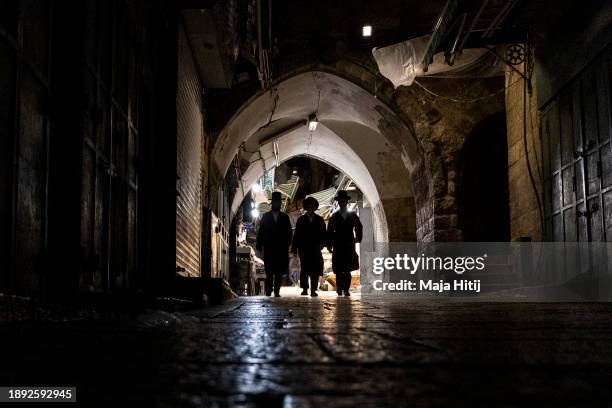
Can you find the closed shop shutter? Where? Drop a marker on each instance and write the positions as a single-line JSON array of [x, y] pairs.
[[189, 148]]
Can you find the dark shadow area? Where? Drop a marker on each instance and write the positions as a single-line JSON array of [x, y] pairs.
[[482, 196]]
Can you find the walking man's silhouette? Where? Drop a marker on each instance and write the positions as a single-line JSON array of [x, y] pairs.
[[308, 241], [274, 238], [343, 230]]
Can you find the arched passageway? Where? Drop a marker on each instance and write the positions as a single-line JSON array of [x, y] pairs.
[[356, 133], [483, 209], [326, 146]]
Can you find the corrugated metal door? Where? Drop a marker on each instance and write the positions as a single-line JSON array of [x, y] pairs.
[[577, 157], [189, 165]]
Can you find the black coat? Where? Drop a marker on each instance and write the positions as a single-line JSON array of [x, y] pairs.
[[274, 238], [341, 236], [308, 240]]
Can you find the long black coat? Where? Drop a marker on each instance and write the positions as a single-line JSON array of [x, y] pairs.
[[308, 240], [274, 238], [341, 235]]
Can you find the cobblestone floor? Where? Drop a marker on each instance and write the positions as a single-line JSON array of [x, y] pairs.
[[325, 352]]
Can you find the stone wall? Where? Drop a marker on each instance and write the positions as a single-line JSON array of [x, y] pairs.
[[443, 113], [400, 219], [524, 212]]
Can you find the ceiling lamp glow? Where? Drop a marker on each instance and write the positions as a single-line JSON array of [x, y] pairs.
[[313, 121], [366, 30]]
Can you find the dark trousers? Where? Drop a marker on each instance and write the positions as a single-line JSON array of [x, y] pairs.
[[343, 281], [314, 281], [273, 280]]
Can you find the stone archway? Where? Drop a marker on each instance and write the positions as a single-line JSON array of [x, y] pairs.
[[327, 147], [357, 133]]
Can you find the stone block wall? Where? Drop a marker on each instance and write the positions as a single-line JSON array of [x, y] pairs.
[[442, 114], [524, 211], [400, 219]]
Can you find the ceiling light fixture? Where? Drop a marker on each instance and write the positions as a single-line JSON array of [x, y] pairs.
[[313, 121], [366, 30]]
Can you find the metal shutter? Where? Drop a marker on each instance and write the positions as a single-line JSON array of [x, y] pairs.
[[189, 147]]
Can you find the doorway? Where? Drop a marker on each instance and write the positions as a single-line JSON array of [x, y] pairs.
[[482, 197]]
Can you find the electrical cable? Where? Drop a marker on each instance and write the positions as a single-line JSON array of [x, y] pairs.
[[533, 133], [460, 100], [276, 96], [314, 78], [531, 178], [308, 145]]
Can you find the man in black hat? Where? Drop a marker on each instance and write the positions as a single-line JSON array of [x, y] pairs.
[[343, 230], [308, 241], [274, 238]]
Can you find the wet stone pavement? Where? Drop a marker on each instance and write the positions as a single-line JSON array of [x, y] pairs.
[[324, 352]]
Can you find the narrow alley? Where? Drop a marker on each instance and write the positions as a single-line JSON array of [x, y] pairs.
[[306, 203], [334, 352]]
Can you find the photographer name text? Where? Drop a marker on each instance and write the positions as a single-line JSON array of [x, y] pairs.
[[428, 285]]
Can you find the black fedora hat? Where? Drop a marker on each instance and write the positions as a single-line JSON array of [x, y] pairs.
[[276, 196], [311, 200], [342, 195]]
